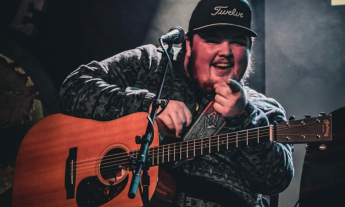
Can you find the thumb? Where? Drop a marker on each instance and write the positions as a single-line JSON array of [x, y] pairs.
[[234, 85]]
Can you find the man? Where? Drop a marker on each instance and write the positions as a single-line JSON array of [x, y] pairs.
[[210, 67]]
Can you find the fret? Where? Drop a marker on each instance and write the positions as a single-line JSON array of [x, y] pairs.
[[201, 147], [218, 143], [236, 139], [209, 145], [180, 150], [247, 137], [258, 135], [169, 153], [227, 141], [153, 156], [271, 133], [163, 155], [194, 148], [174, 151], [157, 155], [187, 149]]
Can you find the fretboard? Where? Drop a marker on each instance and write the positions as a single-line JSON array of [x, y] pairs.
[[318, 129], [203, 146]]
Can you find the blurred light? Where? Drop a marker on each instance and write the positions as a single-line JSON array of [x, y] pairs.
[[169, 13], [338, 2]]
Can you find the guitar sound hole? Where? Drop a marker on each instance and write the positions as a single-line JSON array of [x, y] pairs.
[[113, 166]]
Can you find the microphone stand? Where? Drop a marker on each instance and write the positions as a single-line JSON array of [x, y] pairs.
[[143, 163]]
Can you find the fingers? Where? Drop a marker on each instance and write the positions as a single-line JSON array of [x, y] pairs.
[[176, 117], [223, 90], [178, 124], [221, 100], [230, 99], [188, 115], [228, 87]]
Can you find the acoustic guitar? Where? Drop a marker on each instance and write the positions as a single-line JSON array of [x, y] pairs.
[[67, 161]]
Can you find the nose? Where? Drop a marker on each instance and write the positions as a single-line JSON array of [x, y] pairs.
[[225, 49]]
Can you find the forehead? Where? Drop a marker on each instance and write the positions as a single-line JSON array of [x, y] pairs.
[[223, 32]]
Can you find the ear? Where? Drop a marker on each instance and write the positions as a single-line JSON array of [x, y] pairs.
[[187, 55], [188, 47]]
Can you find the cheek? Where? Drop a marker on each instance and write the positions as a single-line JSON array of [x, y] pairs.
[[202, 61], [241, 55], [241, 59]]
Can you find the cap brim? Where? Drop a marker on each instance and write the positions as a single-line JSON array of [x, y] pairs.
[[209, 26]]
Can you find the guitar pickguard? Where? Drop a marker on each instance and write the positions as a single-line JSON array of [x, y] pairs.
[[91, 192]]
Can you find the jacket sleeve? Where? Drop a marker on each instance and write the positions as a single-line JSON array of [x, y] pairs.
[[266, 168], [104, 90]]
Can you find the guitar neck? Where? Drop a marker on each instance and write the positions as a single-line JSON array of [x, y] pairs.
[[317, 129], [197, 147]]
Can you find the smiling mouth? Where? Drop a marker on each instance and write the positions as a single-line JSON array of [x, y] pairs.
[[223, 65]]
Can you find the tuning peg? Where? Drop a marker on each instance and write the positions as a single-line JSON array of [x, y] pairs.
[[322, 114], [307, 116], [291, 118]]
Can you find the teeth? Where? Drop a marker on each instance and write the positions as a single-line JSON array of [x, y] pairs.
[[222, 65]]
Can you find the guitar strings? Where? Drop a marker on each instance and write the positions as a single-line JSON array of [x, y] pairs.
[[250, 131], [125, 154], [279, 128], [183, 146], [111, 170], [214, 143], [82, 171]]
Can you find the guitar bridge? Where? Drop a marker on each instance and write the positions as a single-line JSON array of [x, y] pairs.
[[70, 173]]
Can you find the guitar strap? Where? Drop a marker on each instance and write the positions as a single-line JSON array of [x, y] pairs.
[[208, 124]]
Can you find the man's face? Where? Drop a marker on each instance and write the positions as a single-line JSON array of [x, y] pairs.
[[217, 55]]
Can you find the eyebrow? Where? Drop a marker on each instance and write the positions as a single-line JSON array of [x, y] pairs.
[[208, 35]]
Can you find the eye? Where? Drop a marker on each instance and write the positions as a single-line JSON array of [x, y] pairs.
[[212, 40], [243, 41], [240, 43]]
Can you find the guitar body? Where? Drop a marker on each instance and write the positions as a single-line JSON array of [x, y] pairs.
[[61, 162]]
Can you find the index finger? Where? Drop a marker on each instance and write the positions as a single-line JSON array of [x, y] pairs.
[[234, 85]]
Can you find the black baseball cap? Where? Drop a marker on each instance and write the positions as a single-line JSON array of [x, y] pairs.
[[215, 13]]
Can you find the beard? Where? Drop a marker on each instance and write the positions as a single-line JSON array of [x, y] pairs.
[[205, 87]]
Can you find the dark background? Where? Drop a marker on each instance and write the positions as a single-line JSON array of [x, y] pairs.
[[299, 55]]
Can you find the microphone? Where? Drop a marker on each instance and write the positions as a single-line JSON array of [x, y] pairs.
[[176, 35]]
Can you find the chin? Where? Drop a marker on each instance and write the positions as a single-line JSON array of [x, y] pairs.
[[206, 88]]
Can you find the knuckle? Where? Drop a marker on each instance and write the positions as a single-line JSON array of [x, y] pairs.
[[216, 98], [229, 92], [216, 107]]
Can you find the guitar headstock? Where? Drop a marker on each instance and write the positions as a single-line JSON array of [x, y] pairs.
[[317, 129]]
